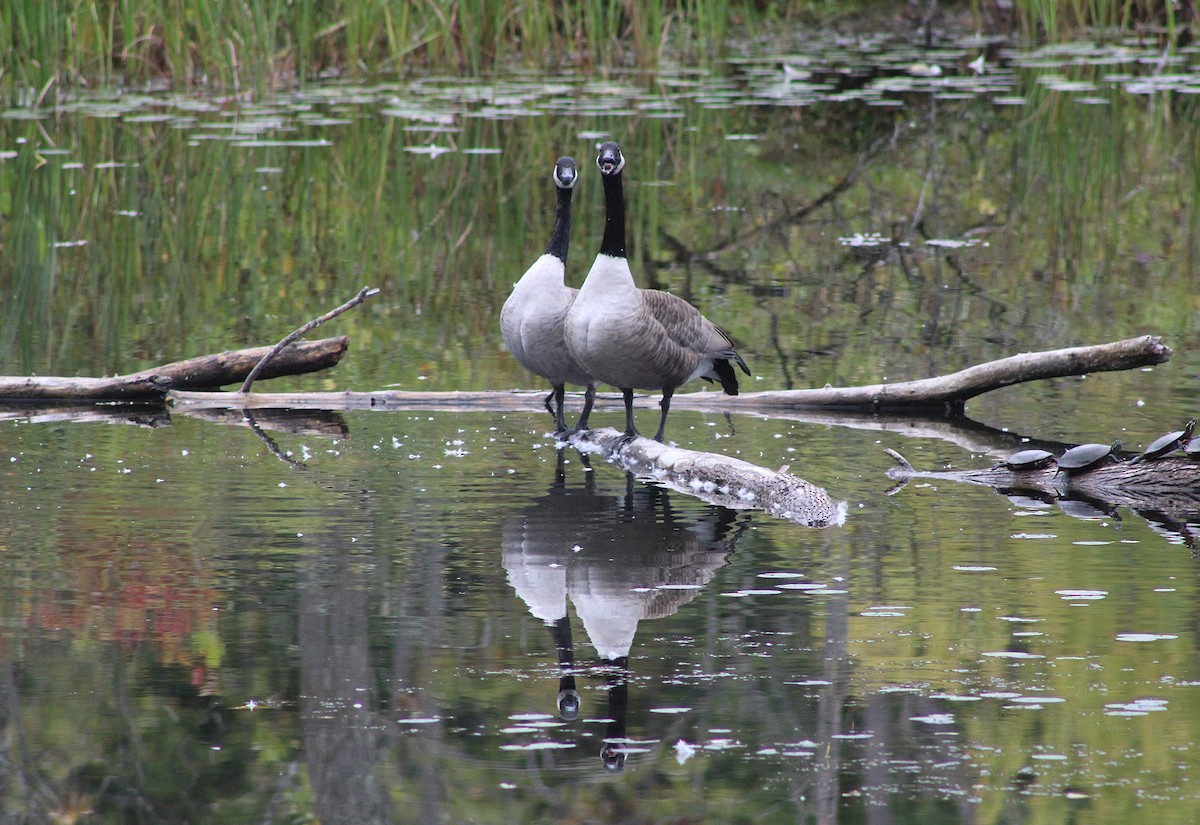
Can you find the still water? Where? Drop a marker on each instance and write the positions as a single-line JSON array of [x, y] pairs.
[[435, 617]]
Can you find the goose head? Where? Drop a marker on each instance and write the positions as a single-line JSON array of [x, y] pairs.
[[566, 172], [610, 160]]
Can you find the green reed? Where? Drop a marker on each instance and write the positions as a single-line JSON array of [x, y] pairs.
[[257, 45], [200, 241], [1055, 20], [260, 44]]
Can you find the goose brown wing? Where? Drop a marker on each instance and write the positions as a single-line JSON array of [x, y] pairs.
[[684, 324]]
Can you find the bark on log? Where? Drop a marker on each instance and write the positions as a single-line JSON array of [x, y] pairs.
[[945, 394], [204, 372], [717, 479]]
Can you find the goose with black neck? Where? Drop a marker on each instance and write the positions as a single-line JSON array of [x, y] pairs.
[[532, 318], [636, 338]]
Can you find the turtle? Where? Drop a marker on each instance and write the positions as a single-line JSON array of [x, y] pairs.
[[1086, 456], [1025, 461], [1192, 447], [1168, 443]]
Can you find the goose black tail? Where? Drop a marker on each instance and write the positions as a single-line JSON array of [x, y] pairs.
[[726, 375]]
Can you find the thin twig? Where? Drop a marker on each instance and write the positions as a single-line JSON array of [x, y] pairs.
[[363, 294]]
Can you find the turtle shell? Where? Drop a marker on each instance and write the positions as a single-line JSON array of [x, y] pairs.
[[1192, 447], [1029, 460], [1168, 443], [1086, 455]]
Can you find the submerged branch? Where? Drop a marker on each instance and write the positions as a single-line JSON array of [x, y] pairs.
[[789, 218]]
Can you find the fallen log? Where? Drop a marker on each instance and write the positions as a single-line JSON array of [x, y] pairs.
[[716, 479], [206, 372], [950, 393], [1168, 485], [945, 394]]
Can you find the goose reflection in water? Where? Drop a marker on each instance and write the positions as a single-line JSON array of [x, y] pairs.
[[619, 559]]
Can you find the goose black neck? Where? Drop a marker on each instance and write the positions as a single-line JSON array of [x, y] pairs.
[[560, 238], [613, 242]]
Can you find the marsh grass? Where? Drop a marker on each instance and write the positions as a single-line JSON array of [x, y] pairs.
[[151, 240], [256, 45], [1056, 20], [259, 45]]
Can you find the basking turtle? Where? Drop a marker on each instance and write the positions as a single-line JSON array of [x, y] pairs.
[[1168, 443], [1025, 461], [1085, 456], [1192, 447]]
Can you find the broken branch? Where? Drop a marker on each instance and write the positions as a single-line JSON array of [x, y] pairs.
[[363, 294]]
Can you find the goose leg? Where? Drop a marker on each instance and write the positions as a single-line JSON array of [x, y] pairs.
[[560, 424], [630, 428], [589, 398], [666, 405], [549, 398]]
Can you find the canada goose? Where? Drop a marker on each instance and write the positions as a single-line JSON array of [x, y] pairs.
[[531, 320], [640, 338]]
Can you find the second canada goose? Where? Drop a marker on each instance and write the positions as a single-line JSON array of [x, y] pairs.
[[640, 338], [531, 320]]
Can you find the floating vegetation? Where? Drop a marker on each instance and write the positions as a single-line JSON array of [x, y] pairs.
[[1146, 637], [1138, 707], [860, 239], [1082, 595], [539, 746]]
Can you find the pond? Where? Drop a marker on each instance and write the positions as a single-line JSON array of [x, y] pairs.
[[435, 616]]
